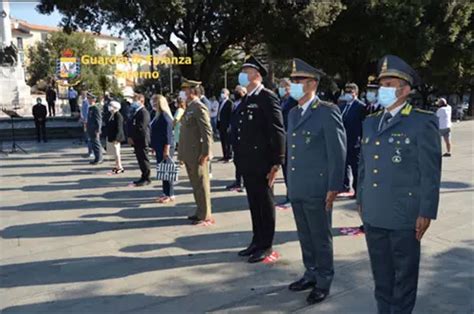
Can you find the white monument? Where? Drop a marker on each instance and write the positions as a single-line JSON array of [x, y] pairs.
[[14, 93]]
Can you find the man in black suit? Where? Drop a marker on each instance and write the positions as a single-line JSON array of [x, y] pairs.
[[94, 125], [51, 100], [260, 152], [223, 124], [39, 115], [353, 113], [139, 137], [239, 94]]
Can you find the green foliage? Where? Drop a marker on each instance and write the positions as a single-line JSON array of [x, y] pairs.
[[43, 57]]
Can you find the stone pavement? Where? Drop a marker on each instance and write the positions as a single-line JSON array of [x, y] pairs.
[[75, 240]]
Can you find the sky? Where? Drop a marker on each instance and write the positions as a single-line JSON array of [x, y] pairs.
[[26, 10]]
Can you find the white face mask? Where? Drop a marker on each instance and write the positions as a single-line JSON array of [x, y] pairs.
[[387, 96], [223, 96], [182, 95], [371, 97]]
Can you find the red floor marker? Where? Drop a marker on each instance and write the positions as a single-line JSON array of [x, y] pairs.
[[272, 258], [351, 231], [283, 207]]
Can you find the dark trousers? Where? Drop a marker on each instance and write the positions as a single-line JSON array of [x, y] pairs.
[[395, 259], [314, 226], [168, 186], [262, 209], [225, 143], [285, 176], [238, 175], [51, 108], [73, 105], [40, 130], [96, 146], [141, 152], [352, 164]]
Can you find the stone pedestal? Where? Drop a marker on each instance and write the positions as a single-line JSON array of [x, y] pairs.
[[14, 93]]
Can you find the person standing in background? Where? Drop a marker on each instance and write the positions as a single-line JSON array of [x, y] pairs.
[[94, 125], [287, 103], [39, 115], [115, 135], [177, 119], [139, 137], [213, 113], [162, 141], [353, 114], [239, 94], [51, 100], [372, 104], [72, 97], [223, 124], [444, 116], [84, 116]]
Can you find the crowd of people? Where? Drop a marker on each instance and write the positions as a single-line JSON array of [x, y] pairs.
[[380, 150]]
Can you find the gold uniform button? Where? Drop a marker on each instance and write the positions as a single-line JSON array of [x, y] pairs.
[[292, 169], [376, 171], [294, 134], [238, 138], [293, 157], [375, 185], [293, 146], [321, 174], [409, 193], [377, 143], [376, 156]]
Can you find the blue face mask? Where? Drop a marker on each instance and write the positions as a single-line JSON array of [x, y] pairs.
[[371, 97], [296, 91], [387, 96], [347, 97], [244, 79], [281, 91], [134, 107]]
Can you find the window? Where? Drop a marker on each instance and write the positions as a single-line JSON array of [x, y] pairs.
[[112, 49], [19, 43], [44, 36]]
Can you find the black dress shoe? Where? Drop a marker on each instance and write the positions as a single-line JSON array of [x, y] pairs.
[[141, 182], [193, 218], [248, 251], [259, 256], [301, 285], [317, 295]]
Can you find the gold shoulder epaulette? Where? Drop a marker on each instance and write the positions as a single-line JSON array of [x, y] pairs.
[[423, 111]]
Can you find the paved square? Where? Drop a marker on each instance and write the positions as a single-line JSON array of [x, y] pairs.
[[75, 240]]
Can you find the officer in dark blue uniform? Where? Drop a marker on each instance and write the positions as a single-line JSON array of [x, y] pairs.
[[399, 181], [260, 152], [372, 105], [353, 114]]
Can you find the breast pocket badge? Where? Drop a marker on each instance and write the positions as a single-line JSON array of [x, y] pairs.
[[397, 158]]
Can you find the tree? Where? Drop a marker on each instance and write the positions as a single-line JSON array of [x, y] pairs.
[[206, 28], [44, 55]]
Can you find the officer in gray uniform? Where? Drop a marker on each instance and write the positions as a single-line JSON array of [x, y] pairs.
[[399, 175], [316, 165]]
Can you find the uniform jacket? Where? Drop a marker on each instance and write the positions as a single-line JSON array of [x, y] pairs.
[[195, 138], [234, 120], [39, 112], [352, 116], [316, 152], [161, 132], [260, 133], [114, 128], [94, 120], [139, 128], [286, 105], [400, 169], [225, 113]]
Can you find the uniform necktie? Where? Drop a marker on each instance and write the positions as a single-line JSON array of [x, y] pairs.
[[299, 113], [384, 121]]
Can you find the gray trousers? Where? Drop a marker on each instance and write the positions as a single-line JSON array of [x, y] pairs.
[[395, 259], [96, 146], [314, 225]]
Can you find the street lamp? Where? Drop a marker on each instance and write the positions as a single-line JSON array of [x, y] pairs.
[[225, 71]]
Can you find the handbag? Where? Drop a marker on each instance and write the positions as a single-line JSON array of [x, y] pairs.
[[167, 170]]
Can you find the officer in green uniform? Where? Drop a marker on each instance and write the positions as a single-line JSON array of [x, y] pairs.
[[195, 143], [316, 164], [399, 175]]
